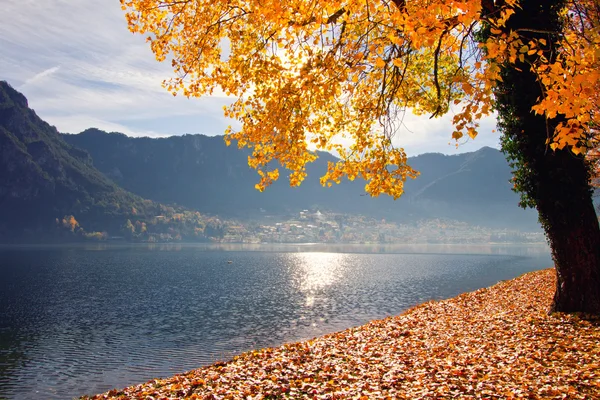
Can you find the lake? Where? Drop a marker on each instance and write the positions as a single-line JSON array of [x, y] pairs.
[[85, 319]]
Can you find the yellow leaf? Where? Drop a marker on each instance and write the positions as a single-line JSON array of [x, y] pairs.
[[304, 75]]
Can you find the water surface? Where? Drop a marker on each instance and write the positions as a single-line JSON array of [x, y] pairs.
[[83, 320]]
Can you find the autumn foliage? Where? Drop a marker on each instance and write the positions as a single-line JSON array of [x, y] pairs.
[[337, 75], [69, 222], [572, 83]]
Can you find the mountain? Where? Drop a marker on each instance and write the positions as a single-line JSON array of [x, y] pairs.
[[43, 179], [202, 173], [473, 187], [56, 187]]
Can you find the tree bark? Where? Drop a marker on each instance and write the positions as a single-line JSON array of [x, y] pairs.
[[556, 183], [575, 251]]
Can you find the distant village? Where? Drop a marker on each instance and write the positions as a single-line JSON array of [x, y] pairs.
[[304, 226], [321, 227]]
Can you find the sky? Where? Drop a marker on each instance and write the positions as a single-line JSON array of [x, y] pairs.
[[80, 67]]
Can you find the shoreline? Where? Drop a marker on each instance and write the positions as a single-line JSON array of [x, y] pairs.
[[493, 342], [392, 248]]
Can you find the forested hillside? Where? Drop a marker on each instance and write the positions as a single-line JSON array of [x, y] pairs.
[[50, 190], [201, 172]]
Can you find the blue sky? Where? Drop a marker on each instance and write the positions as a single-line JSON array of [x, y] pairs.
[[80, 67]]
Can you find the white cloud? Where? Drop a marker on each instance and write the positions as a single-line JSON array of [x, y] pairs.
[[79, 123], [79, 67], [40, 76], [76, 61]]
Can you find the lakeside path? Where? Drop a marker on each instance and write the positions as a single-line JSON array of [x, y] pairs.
[[497, 342]]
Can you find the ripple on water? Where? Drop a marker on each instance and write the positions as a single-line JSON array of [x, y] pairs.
[[75, 321]]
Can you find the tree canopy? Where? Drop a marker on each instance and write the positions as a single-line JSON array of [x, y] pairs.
[[337, 75]]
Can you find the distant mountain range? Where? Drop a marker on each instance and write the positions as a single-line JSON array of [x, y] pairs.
[[202, 173], [110, 181]]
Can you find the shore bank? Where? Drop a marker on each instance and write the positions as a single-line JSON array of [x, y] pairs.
[[496, 342]]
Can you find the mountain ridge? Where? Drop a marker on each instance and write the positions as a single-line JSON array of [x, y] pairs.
[[44, 180], [204, 163], [57, 187]]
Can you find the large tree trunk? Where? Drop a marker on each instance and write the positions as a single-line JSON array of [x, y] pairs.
[[576, 248], [556, 183]]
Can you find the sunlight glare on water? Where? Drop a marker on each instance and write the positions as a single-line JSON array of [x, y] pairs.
[[319, 269], [316, 271]]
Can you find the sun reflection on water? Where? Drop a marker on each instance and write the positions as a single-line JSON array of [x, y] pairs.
[[316, 271]]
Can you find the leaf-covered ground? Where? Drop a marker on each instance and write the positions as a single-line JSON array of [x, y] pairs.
[[496, 342]]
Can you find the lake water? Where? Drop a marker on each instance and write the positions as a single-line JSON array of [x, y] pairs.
[[86, 319]]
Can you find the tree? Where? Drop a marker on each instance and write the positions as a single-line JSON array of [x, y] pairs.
[[557, 180], [70, 223], [128, 229], [336, 75]]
